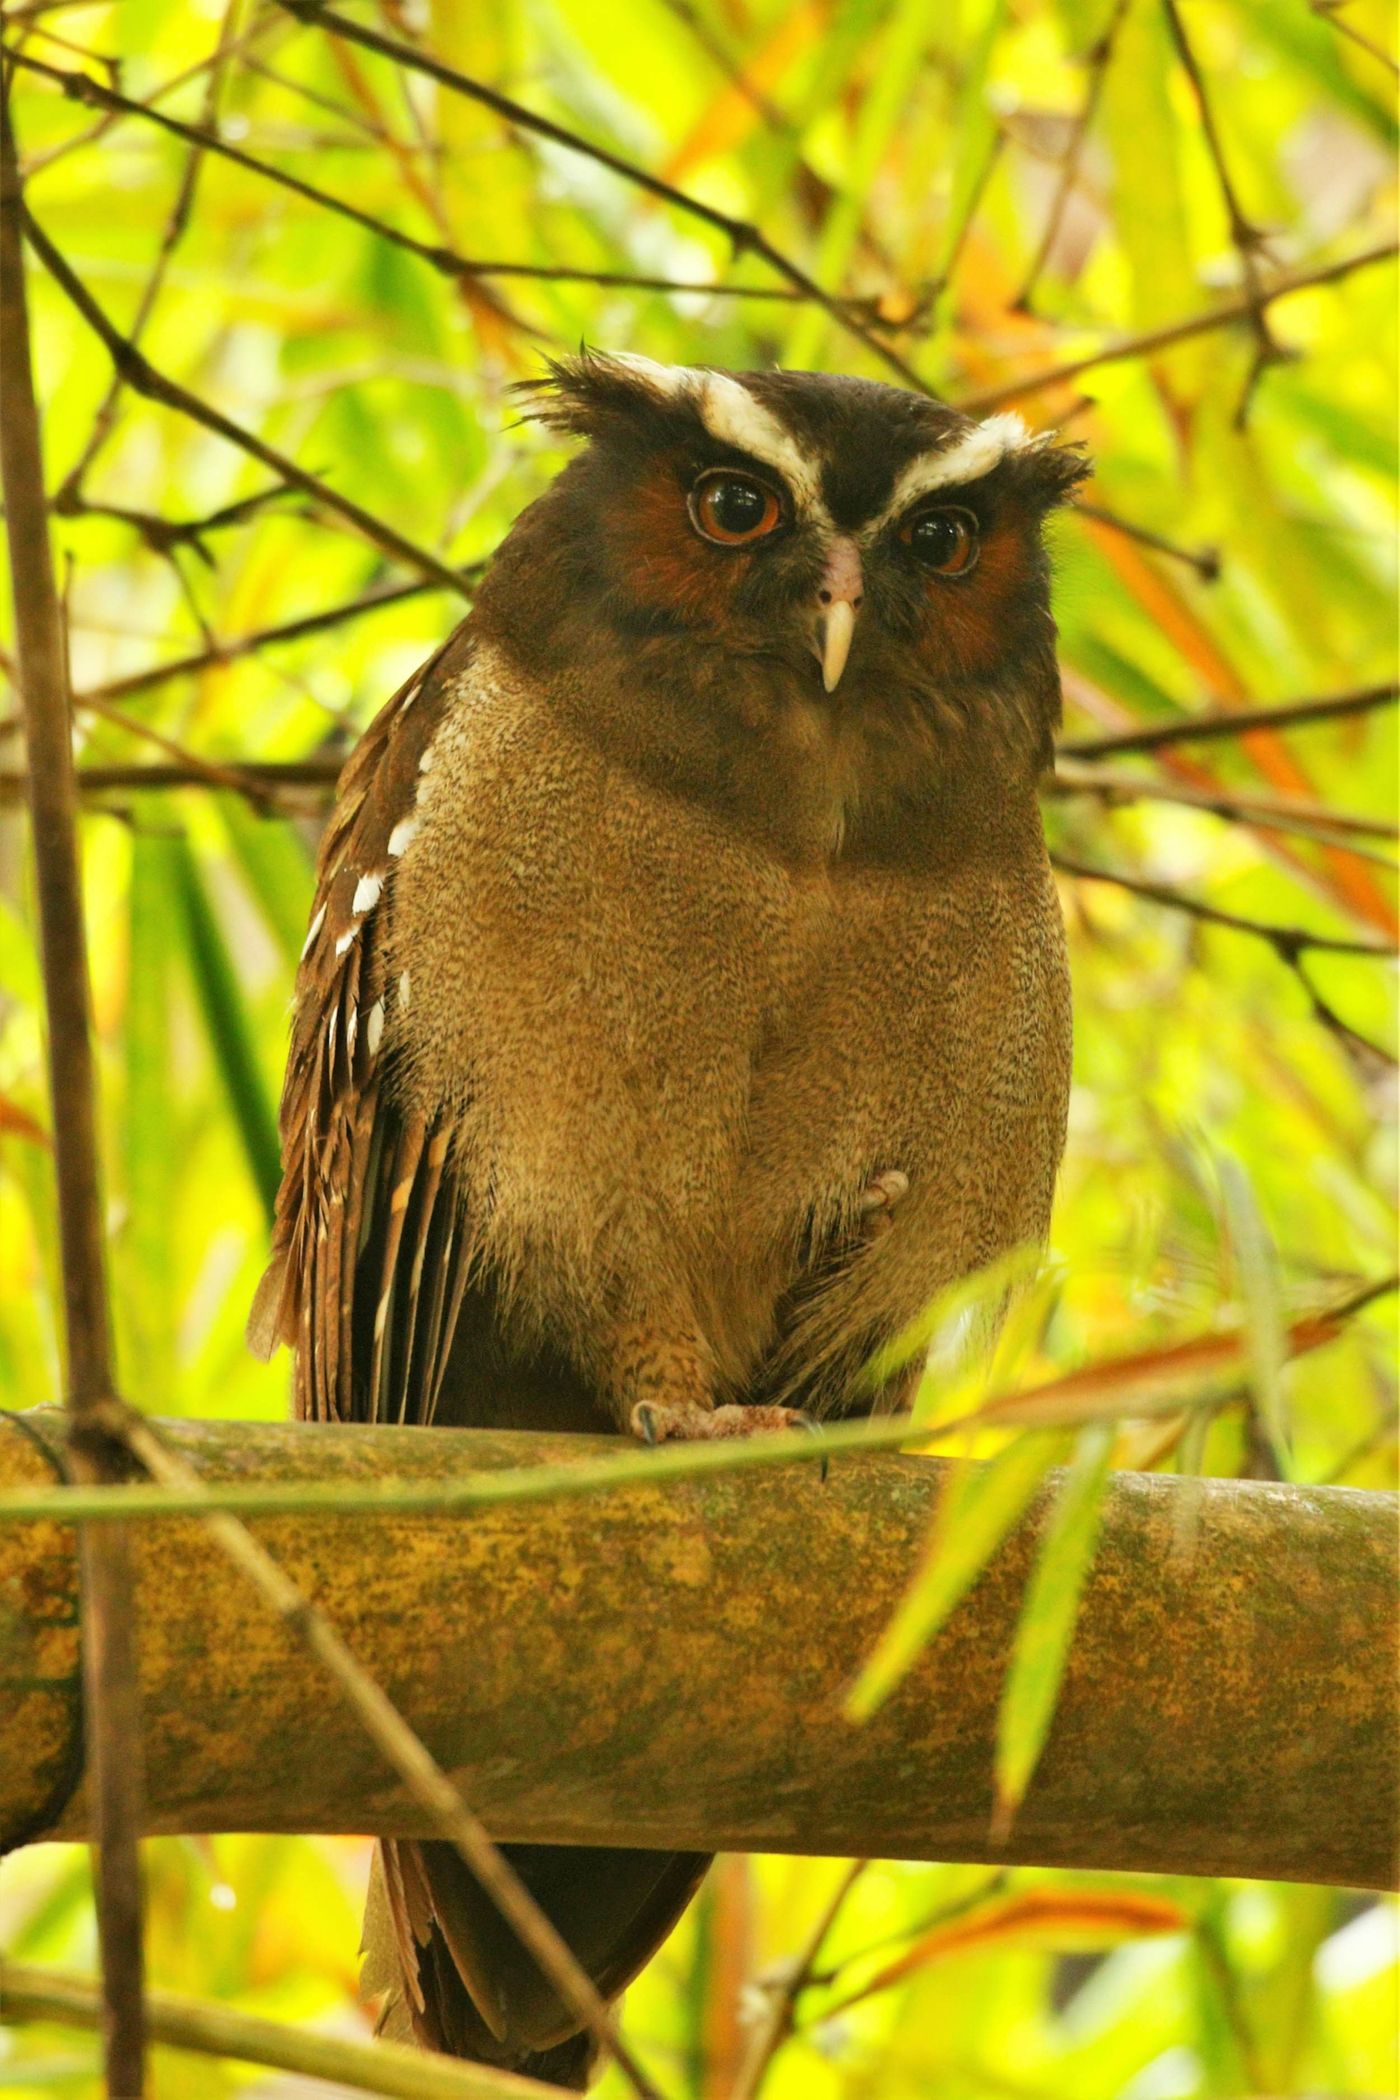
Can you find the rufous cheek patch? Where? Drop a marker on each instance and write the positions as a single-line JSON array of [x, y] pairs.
[[663, 559], [971, 617]]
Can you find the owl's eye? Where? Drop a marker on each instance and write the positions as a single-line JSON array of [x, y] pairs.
[[733, 509], [942, 540]]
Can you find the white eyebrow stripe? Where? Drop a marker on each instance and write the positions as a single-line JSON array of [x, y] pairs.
[[732, 415], [973, 456]]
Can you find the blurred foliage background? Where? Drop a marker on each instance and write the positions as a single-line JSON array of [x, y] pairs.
[[990, 190]]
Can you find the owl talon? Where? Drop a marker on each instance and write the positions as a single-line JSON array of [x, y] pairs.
[[813, 1428], [644, 1423], [878, 1200], [654, 1423]]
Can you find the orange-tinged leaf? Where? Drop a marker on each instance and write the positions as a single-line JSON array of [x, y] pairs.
[[1059, 1920], [1150, 1381], [727, 121], [1352, 884], [17, 1122]]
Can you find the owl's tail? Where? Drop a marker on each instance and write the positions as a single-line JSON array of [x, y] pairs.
[[451, 1975]]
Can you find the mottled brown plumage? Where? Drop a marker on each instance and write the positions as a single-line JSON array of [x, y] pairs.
[[684, 1003]]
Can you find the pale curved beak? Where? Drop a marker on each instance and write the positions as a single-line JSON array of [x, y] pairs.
[[838, 601], [837, 626]]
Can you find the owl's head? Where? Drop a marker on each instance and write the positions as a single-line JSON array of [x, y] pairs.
[[823, 542]]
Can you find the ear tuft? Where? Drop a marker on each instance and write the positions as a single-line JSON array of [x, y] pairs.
[[585, 394], [1057, 470]]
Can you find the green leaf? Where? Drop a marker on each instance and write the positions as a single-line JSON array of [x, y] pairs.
[[230, 1033], [1258, 1277], [977, 1508], [1046, 1624]]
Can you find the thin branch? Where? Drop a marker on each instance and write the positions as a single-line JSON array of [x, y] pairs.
[[743, 236], [1266, 812], [39, 163], [218, 653], [218, 2030], [111, 1695], [400, 1747], [440, 256], [1115, 1387], [1204, 560], [778, 2015], [81, 87], [1331, 11], [1287, 942], [292, 784], [197, 771], [143, 376], [1153, 339], [1244, 234], [1232, 722], [176, 225], [164, 535], [1097, 61]]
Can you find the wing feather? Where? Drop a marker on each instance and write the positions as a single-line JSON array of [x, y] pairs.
[[365, 1181]]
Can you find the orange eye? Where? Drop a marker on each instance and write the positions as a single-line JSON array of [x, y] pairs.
[[733, 509], [942, 540]]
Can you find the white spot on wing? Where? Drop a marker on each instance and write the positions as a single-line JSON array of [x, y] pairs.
[[374, 1027], [311, 932], [366, 895], [347, 939], [405, 990], [402, 836]]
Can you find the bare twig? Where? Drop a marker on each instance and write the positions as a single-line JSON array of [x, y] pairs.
[[219, 653], [262, 26], [744, 237], [1232, 722], [263, 782], [1265, 812], [777, 2022], [1288, 942], [1096, 61], [1204, 560], [401, 1748], [70, 489], [164, 535], [1153, 339], [1247, 238], [143, 376], [203, 772], [112, 1716], [440, 256], [1331, 11]]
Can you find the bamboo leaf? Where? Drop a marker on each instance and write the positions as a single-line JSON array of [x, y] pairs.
[[1264, 1326], [227, 1025], [1046, 1626], [976, 1510]]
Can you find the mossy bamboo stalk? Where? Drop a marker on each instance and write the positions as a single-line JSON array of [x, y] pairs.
[[664, 1664]]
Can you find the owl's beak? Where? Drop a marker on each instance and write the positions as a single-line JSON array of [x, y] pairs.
[[838, 601]]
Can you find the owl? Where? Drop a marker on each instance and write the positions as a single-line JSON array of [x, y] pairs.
[[684, 1002]]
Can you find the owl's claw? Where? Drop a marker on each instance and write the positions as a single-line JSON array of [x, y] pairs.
[[654, 1423], [878, 1199]]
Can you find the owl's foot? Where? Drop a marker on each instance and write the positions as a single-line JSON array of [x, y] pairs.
[[878, 1200], [658, 1424]]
